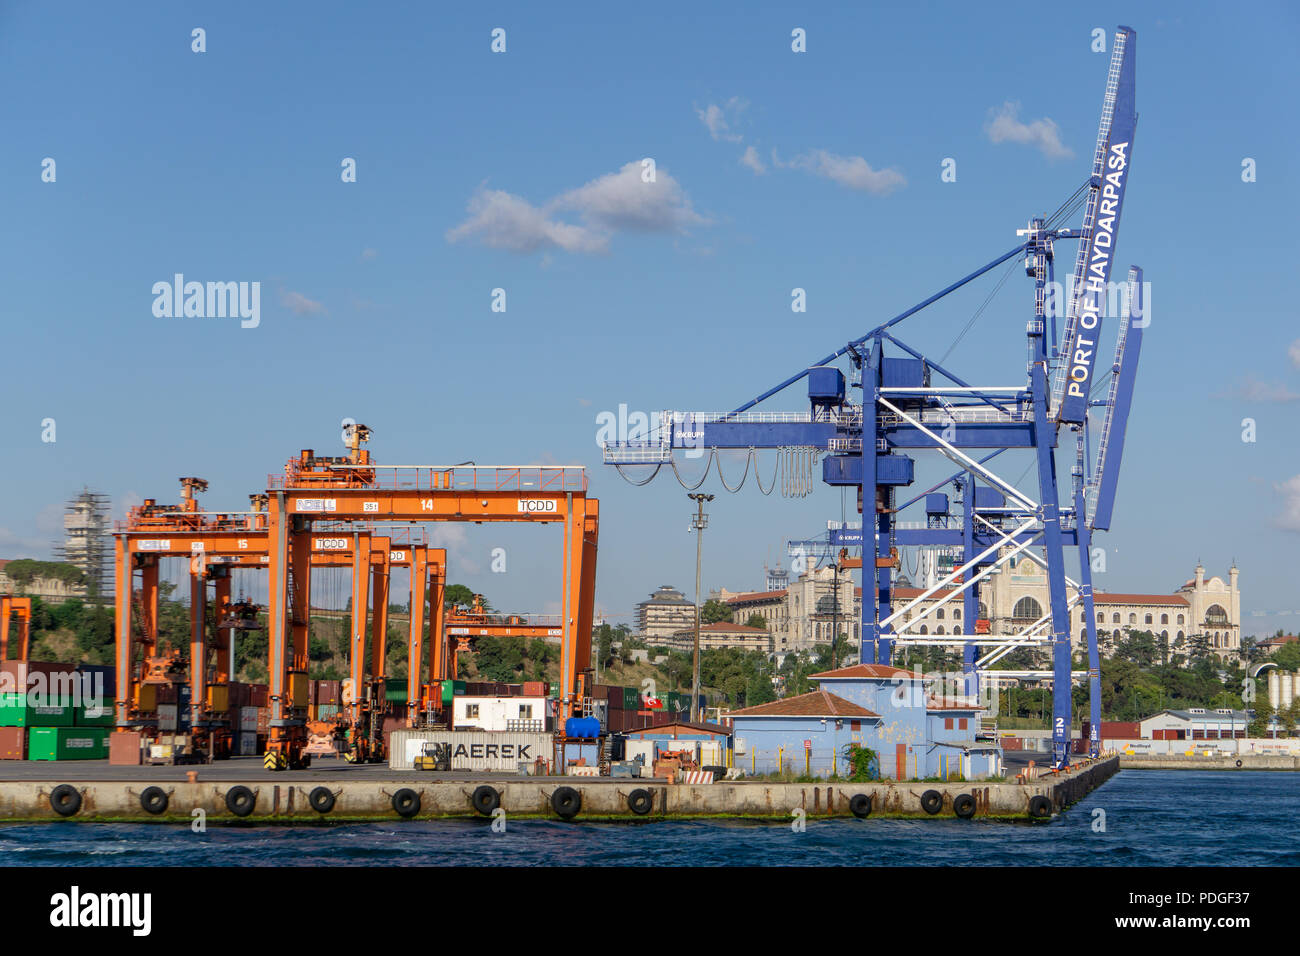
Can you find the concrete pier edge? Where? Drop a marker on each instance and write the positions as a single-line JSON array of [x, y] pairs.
[[285, 802]]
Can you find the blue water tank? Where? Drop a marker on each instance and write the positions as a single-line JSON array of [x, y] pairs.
[[936, 504], [584, 727]]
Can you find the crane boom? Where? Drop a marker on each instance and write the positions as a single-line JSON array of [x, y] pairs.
[[1110, 168]]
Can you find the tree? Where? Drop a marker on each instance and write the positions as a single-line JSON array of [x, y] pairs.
[[714, 611], [757, 620], [457, 594]]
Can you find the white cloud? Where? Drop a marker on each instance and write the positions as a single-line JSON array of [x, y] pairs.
[[454, 538], [504, 221], [752, 160], [720, 119], [624, 201], [1289, 519], [851, 171], [299, 304], [14, 545], [616, 202], [369, 253], [1004, 126], [1254, 390], [1293, 352]]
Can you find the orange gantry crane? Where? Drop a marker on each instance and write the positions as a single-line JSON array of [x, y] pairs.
[[353, 488], [215, 543], [21, 608], [463, 624]]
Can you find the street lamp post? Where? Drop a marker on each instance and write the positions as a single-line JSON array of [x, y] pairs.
[[699, 521]]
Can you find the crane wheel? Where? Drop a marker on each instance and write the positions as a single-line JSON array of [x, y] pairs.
[[964, 806], [240, 801], [406, 802], [321, 799], [860, 805], [1040, 808], [640, 801], [485, 800], [932, 802], [154, 800], [65, 800], [567, 802]]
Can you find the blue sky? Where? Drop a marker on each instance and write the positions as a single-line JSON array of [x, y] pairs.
[[478, 171]]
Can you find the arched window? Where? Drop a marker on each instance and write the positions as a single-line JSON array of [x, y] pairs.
[[923, 629], [957, 630], [984, 611], [1181, 636], [1132, 618], [1027, 609], [1083, 617], [956, 614], [1148, 619], [1101, 618], [1164, 635], [939, 629], [1216, 616], [1114, 618], [938, 614], [1164, 618], [1180, 619]]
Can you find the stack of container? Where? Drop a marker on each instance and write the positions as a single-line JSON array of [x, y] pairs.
[[55, 711]]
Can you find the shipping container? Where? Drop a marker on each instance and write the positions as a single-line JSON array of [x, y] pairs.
[[247, 719], [472, 750], [327, 711], [631, 698], [535, 688], [34, 710], [125, 749], [50, 679], [497, 713], [13, 743], [167, 719], [246, 744], [67, 743], [98, 680], [93, 713]]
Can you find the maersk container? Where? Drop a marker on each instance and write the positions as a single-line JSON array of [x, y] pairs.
[[472, 750], [67, 743]]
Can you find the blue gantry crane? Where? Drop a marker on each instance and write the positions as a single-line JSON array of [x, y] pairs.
[[912, 404]]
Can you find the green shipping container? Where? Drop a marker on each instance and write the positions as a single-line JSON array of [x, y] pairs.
[[93, 714], [16, 710], [631, 698], [67, 743], [395, 690]]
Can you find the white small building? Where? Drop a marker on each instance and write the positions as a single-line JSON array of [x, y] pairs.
[[1196, 723], [521, 714]]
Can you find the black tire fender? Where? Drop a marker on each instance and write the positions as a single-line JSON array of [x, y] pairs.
[[406, 802], [240, 801], [932, 802], [154, 800], [566, 802], [640, 801], [1238, 763], [1040, 808], [486, 799], [964, 806], [65, 800], [860, 805], [321, 799]]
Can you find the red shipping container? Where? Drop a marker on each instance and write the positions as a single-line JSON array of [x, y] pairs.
[[124, 749], [238, 695], [258, 695], [13, 743], [329, 693], [536, 688], [16, 677], [312, 691], [166, 693]]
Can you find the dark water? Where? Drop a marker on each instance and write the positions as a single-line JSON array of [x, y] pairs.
[[1153, 818]]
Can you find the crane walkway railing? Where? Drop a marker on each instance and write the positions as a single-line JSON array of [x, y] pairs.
[[518, 478]]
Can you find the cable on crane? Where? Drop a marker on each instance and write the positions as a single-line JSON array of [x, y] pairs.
[[980, 311], [748, 459], [776, 467], [637, 484], [673, 462]]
